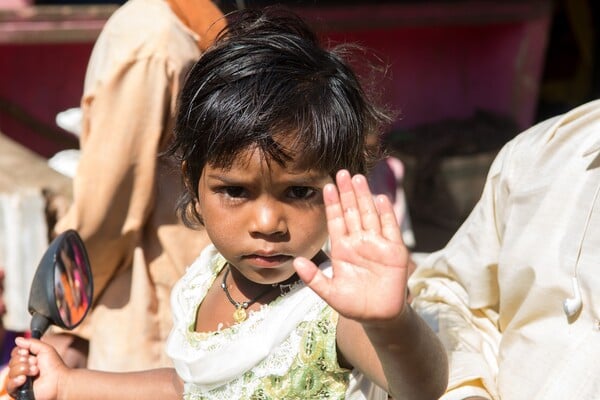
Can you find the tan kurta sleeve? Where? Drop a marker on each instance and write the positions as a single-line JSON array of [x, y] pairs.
[[123, 129]]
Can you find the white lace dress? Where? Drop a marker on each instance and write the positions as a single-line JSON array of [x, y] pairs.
[[285, 350]]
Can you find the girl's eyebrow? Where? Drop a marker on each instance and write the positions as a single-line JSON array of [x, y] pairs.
[[293, 179], [224, 178]]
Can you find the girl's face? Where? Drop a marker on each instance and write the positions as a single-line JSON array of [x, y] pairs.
[[261, 216]]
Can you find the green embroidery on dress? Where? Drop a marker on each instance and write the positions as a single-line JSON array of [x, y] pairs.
[[315, 373]]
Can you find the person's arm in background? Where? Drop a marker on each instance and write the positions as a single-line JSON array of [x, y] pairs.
[[455, 290], [131, 86], [123, 125]]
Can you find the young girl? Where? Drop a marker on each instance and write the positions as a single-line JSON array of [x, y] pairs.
[[271, 140]]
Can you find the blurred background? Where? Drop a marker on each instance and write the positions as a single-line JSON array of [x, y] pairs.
[[464, 77]]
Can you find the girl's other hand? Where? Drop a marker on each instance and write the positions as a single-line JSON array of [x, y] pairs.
[[370, 262], [38, 360]]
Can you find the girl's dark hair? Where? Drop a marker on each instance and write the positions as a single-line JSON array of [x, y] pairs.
[[267, 78]]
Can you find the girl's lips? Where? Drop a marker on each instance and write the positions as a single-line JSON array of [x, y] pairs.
[[267, 261]]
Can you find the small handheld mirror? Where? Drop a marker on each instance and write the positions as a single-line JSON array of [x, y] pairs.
[[61, 291]]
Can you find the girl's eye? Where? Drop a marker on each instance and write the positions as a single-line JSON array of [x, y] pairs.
[[233, 191], [301, 192]]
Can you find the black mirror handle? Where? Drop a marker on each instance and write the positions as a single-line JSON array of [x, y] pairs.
[[39, 325], [25, 392]]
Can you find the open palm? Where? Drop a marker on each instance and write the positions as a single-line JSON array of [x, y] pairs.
[[369, 259]]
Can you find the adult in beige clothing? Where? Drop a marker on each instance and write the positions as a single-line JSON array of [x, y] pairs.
[[124, 194], [515, 295]]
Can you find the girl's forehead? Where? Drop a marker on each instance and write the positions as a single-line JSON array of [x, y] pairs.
[[290, 157], [256, 160]]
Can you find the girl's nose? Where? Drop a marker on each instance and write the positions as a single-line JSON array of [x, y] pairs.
[[269, 219]]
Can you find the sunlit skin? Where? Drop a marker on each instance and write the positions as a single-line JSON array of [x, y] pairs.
[[261, 216]]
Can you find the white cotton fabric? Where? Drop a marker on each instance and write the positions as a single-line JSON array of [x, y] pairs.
[[494, 294]]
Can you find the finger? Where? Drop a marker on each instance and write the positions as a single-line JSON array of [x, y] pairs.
[[22, 364], [312, 276], [348, 201], [27, 367], [23, 343], [368, 212], [15, 351], [18, 357], [336, 224], [14, 383], [34, 346], [389, 223], [38, 347]]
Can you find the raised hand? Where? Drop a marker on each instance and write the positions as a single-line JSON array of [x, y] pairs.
[[370, 261]]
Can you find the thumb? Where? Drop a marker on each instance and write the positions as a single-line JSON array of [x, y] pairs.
[[312, 276], [34, 346], [40, 349]]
